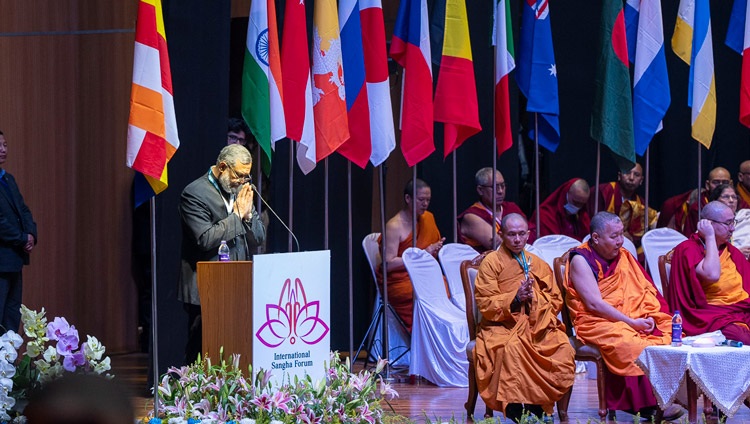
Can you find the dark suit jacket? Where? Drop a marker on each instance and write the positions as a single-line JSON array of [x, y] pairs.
[[16, 223], [205, 223]]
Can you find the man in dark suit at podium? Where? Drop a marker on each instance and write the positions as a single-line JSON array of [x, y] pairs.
[[217, 206], [17, 239]]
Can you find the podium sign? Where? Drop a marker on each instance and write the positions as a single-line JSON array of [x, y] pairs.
[[292, 314]]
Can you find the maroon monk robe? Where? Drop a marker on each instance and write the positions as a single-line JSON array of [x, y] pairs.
[[485, 214], [686, 294], [670, 207], [554, 219]]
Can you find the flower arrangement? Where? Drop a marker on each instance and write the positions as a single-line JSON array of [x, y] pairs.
[[51, 350], [220, 393]]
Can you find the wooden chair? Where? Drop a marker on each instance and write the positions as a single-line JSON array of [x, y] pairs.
[[472, 315], [584, 352]]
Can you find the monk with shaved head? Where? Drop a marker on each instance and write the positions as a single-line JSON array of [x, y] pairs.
[[565, 211], [681, 212]]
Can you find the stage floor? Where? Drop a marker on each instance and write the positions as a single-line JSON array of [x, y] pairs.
[[415, 399]]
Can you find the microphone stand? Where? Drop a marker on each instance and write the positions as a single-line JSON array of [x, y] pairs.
[[255, 189]]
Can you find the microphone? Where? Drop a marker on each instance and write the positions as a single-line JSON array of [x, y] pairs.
[[257, 192], [732, 343]]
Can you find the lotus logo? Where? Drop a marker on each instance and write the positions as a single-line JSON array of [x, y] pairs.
[[292, 318]]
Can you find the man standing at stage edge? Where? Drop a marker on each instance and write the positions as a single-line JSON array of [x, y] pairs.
[[17, 239], [217, 206]]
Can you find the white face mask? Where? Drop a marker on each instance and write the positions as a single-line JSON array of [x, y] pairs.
[[570, 208]]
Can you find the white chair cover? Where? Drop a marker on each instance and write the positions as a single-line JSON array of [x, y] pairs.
[[440, 332], [451, 255], [658, 242], [399, 339], [553, 246], [531, 249], [626, 243]]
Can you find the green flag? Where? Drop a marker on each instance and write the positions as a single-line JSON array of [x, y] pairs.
[[612, 116]]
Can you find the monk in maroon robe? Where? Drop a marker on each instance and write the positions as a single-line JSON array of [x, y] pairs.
[[475, 224], [743, 185], [685, 214], [565, 211], [710, 278]]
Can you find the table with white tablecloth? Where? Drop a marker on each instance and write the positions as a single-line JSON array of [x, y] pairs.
[[722, 373]]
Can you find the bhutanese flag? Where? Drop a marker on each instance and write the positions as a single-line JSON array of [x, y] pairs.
[[612, 116], [262, 94], [692, 42], [738, 39], [456, 93], [504, 63], [152, 126], [329, 93]]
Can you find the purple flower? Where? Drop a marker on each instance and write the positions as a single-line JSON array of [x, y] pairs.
[[71, 362], [57, 328], [68, 342]]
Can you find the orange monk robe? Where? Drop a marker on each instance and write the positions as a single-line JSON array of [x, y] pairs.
[[523, 356], [623, 285], [400, 290]]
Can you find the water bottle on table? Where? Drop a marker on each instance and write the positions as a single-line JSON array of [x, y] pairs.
[[223, 251], [677, 329]]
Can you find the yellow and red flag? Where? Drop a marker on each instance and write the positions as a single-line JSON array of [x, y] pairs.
[[152, 127]]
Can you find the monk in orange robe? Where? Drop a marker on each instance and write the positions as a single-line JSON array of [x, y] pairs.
[[615, 307], [398, 237], [710, 278], [475, 224], [523, 355]]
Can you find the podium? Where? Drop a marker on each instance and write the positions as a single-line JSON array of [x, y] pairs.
[[226, 292]]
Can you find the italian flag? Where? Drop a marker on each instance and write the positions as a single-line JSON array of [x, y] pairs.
[[262, 105], [504, 63]]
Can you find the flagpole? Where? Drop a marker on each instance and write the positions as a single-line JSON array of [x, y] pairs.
[[413, 206], [154, 306], [700, 195], [536, 172], [455, 202], [349, 258], [259, 181], [384, 266], [325, 201], [494, 189], [290, 220], [648, 165], [598, 170]]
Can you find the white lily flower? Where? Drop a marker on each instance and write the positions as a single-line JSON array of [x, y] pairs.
[[93, 349]]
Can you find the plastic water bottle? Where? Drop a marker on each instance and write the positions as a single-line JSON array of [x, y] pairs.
[[677, 329], [224, 252]]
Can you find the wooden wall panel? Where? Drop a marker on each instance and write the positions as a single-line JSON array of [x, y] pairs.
[[65, 110]]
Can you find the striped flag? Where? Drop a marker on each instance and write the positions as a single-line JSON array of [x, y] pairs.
[[152, 126], [456, 92], [262, 105], [329, 93], [651, 97], [295, 71], [504, 63], [410, 48], [382, 132], [612, 116], [693, 44], [359, 146], [537, 72], [738, 38]]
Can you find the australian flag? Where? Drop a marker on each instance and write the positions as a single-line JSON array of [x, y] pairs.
[[536, 72]]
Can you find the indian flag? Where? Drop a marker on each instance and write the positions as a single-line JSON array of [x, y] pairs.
[[262, 105]]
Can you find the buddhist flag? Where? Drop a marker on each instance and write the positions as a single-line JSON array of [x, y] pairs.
[[738, 38], [693, 44], [329, 93], [504, 63], [537, 72], [359, 146], [152, 126], [295, 75], [382, 132], [456, 93], [651, 98], [612, 117], [262, 104], [410, 48]]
